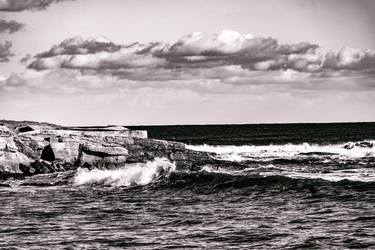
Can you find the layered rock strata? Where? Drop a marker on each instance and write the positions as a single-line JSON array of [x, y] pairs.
[[29, 149]]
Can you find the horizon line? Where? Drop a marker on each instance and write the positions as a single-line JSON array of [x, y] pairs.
[[193, 124]]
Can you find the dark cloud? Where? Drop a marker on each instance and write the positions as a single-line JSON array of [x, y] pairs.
[[77, 46], [76, 53], [10, 26], [5, 51], [26, 59], [21, 5]]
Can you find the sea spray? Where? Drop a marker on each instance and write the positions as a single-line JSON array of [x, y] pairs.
[[130, 174]]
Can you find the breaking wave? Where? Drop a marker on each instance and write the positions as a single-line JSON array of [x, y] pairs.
[[162, 174], [345, 151], [359, 174], [128, 175], [273, 165]]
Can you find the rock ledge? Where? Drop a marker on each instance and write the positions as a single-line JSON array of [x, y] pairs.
[[28, 148]]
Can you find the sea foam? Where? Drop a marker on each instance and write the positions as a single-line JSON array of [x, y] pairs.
[[246, 152], [360, 174], [130, 174]]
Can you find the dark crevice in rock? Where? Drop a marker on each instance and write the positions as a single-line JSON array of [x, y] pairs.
[[48, 154], [24, 129]]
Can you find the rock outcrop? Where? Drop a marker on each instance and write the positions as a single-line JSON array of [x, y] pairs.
[[30, 149]]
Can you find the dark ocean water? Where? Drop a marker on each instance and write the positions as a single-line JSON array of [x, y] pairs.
[[303, 186], [263, 134]]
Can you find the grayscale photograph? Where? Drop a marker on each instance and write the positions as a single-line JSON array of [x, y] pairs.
[[195, 124]]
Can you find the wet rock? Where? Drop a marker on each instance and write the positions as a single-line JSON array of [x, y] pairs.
[[363, 144], [42, 167], [349, 145], [27, 169], [107, 162]]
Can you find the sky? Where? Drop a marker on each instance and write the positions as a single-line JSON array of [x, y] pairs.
[[94, 62]]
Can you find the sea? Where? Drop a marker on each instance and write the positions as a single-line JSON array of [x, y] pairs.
[[304, 186]]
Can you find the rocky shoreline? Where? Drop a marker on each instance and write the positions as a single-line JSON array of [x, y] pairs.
[[29, 148]]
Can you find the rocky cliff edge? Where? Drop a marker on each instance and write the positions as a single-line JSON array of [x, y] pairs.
[[28, 148]]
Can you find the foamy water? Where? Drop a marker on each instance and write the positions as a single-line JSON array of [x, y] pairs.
[[130, 174], [287, 151], [361, 174], [145, 173]]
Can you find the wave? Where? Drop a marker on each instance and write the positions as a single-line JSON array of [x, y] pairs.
[[128, 175], [359, 174], [162, 174], [273, 165], [212, 182], [267, 153]]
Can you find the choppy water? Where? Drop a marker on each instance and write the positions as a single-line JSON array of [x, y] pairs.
[[290, 194]]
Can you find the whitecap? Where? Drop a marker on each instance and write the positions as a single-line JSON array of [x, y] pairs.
[[129, 174], [286, 151]]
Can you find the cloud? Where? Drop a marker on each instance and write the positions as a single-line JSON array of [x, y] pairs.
[[350, 58], [10, 26], [5, 51], [21, 5], [5, 46], [201, 78], [98, 53], [210, 64], [201, 51]]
